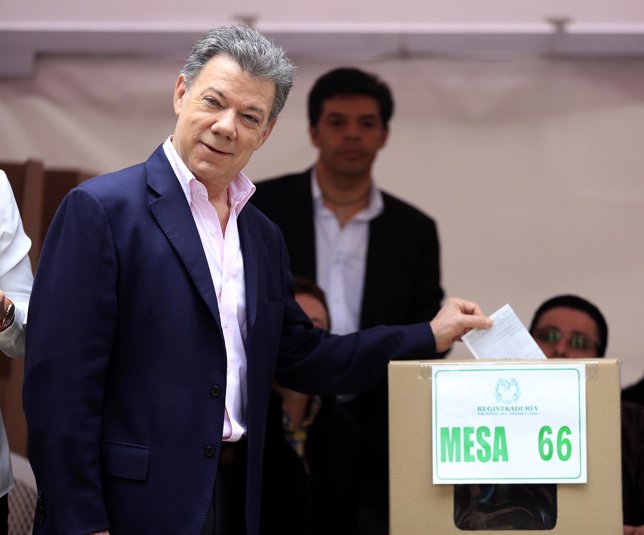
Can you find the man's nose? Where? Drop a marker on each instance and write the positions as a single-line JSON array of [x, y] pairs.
[[352, 130], [560, 349], [224, 123]]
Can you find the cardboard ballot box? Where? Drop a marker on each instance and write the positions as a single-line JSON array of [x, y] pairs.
[[418, 506]]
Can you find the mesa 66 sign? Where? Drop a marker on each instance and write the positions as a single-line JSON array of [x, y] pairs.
[[504, 423]]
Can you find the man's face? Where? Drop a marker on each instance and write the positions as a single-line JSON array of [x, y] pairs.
[[222, 119], [349, 134], [567, 333], [314, 309]]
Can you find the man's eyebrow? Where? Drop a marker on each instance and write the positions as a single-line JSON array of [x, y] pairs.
[[368, 115], [211, 89], [250, 107], [256, 109], [582, 333]]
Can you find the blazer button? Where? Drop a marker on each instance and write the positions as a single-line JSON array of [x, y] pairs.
[[209, 450], [215, 391]]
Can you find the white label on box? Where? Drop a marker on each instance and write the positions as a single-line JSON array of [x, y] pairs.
[[504, 423]]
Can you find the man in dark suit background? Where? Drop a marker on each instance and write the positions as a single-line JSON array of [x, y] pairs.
[[570, 326], [162, 311], [376, 257]]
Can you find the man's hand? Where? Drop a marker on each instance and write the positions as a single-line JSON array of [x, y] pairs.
[[633, 530], [456, 318]]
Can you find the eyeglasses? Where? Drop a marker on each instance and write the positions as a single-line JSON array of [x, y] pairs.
[[576, 340]]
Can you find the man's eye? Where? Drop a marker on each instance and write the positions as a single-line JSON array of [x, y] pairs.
[[251, 119]]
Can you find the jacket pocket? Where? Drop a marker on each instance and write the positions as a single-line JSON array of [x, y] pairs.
[[120, 459]]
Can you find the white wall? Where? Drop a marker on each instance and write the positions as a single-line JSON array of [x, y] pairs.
[[533, 168]]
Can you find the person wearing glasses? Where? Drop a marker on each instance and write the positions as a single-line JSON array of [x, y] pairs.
[[15, 287], [565, 326], [569, 326]]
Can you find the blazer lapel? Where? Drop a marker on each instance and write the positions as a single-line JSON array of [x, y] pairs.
[[300, 229], [172, 213], [249, 248], [376, 275]]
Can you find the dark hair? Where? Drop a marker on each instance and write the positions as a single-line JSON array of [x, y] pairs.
[[304, 285], [253, 52], [576, 303], [346, 81]]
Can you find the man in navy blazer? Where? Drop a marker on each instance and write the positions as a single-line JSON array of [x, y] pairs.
[[162, 311]]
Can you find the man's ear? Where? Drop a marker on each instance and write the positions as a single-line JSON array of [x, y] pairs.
[[180, 90], [384, 137]]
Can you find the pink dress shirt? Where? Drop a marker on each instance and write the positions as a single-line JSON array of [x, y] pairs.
[[224, 256]]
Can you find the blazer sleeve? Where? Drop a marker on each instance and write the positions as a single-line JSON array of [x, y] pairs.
[[69, 343]]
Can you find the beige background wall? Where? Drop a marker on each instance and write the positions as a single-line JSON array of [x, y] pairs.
[[533, 167]]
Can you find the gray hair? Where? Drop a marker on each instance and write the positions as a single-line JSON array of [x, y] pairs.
[[253, 52]]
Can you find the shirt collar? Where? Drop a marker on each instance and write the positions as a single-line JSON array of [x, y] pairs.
[[373, 210], [240, 189]]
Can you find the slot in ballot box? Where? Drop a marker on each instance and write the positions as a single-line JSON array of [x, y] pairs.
[[469, 437]]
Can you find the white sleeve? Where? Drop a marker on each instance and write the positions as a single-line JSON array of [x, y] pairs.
[[16, 277]]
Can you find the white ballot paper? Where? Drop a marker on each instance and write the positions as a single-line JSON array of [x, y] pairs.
[[506, 339]]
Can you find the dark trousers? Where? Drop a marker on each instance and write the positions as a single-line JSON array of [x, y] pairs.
[[227, 511], [4, 515]]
